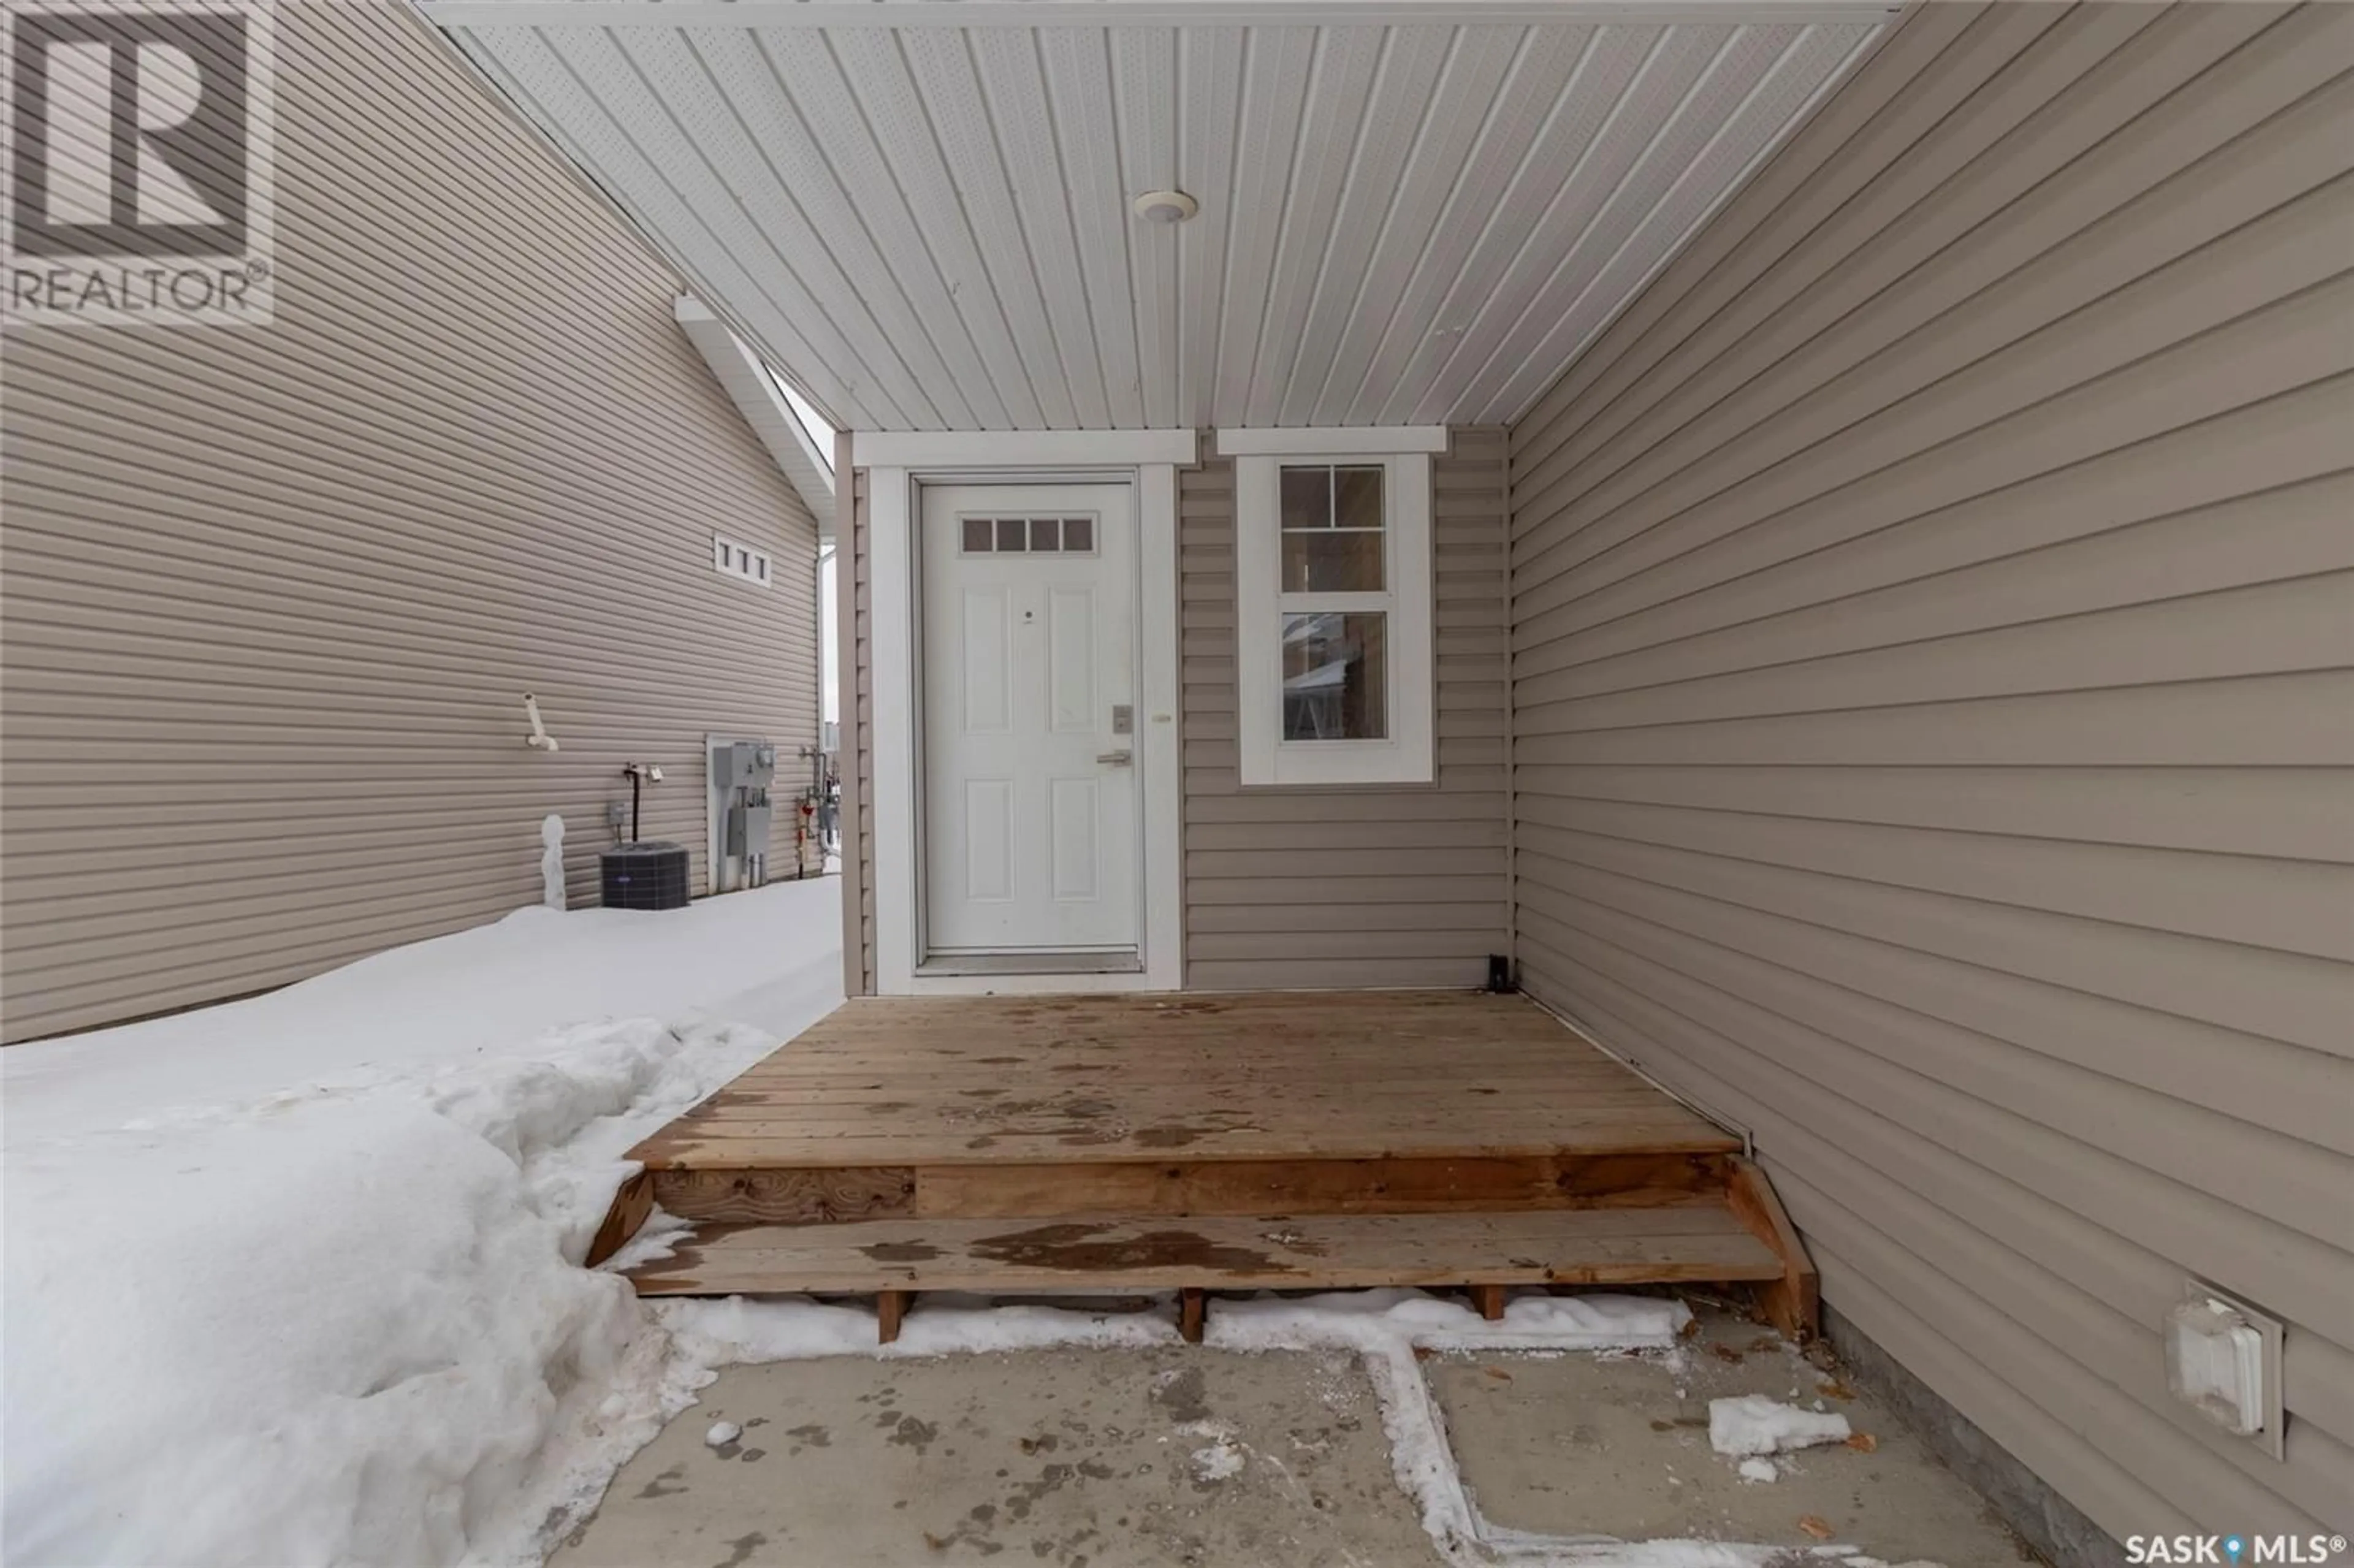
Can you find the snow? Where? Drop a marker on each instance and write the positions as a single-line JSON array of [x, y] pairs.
[[365, 1198], [722, 1433], [1220, 1461], [1409, 1318], [1754, 1423], [1221, 1458], [1759, 1470], [480, 995]]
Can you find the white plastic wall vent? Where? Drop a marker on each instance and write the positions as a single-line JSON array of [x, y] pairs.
[[2222, 1358]]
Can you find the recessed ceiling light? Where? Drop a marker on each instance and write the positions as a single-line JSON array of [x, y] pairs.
[[1166, 206]]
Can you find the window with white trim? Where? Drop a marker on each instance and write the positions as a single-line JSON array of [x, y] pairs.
[[1333, 596]]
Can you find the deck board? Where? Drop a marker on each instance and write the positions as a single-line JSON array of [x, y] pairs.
[[890, 1083], [1701, 1240]]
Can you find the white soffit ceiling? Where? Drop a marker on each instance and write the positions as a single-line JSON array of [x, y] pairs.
[[1409, 214]]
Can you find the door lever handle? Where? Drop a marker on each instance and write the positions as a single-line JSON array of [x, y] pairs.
[[1117, 758]]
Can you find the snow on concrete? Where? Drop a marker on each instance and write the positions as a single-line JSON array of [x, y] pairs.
[[296, 1279], [1530, 1322], [1753, 1424], [1222, 1457], [1759, 1471], [1220, 1461], [1383, 1328], [708, 1335]]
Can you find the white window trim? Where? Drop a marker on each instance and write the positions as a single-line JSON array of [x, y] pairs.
[[896, 671], [1029, 449], [1410, 754], [1357, 441]]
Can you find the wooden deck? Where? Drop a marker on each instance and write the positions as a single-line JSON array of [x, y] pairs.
[[1307, 1140], [1610, 1246], [1289, 1076]]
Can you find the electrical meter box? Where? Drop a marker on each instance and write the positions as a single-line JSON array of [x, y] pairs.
[[743, 764], [740, 812]]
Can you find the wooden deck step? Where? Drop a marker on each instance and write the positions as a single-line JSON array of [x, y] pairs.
[[1704, 1240]]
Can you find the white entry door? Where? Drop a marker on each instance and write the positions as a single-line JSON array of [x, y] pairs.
[[1030, 782]]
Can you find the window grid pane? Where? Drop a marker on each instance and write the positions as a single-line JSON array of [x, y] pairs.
[[1357, 497], [1331, 528], [1024, 536], [1307, 501]]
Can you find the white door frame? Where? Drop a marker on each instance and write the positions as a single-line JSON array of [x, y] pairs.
[[896, 464]]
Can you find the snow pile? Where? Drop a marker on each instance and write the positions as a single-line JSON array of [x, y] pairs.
[[1754, 1423], [295, 1279], [474, 996], [1759, 1470]]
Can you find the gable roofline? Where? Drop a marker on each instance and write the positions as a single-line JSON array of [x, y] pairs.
[[754, 391]]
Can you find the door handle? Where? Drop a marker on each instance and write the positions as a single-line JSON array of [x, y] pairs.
[[1117, 758]]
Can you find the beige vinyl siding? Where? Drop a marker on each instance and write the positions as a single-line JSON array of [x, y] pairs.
[[272, 596], [1932, 606], [1378, 885]]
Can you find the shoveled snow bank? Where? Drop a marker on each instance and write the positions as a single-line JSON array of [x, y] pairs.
[[1754, 1423], [295, 1279], [475, 996]]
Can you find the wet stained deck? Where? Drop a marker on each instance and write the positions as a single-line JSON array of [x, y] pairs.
[[898, 1081], [1200, 1142]]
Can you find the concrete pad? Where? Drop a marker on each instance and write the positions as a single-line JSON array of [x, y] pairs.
[[1077, 1459], [1618, 1446], [1195, 1457]]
